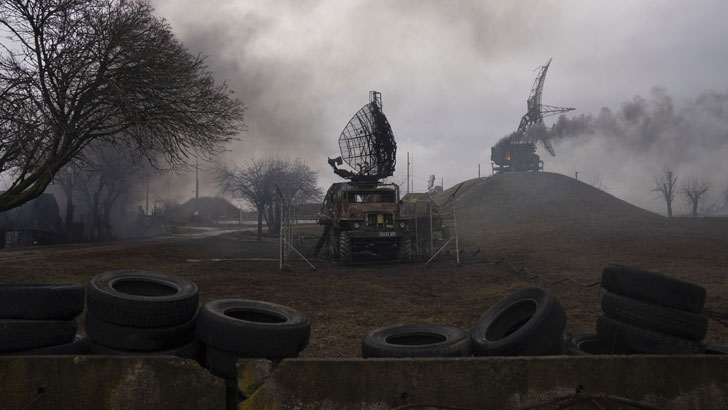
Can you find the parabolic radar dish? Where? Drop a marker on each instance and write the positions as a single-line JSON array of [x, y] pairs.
[[367, 142]]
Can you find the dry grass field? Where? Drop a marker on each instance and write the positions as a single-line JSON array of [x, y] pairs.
[[549, 223]]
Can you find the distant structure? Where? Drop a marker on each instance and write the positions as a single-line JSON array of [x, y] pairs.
[[517, 152]]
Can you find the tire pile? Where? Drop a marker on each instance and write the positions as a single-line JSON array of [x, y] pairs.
[[40, 319], [131, 312], [645, 312], [528, 322], [237, 328]]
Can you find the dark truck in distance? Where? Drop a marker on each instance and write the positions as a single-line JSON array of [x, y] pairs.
[[515, 157], [365, 216]]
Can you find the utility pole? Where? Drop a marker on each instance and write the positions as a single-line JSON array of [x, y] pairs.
[[147, 210], [197, 187], [408, 175]]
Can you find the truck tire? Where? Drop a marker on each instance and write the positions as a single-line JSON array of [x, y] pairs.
[[78, 346], [712, 348], [529, 322], [221, 363], [590, 344], [405, 250], [345, 248], [661, 319], [189, 350], [253, 328], [138, 338], [653, 287], [141, 298], [41, 301], [640, 340], [20, 334], [416, 340]]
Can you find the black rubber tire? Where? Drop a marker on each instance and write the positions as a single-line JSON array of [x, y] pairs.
[[591, 344], [41, 301], [712, 348], [189, 350], [416, 340], [221, 363], [78, 346], [661, 319], [529, 322], [253, 328], [141, 298], [405, 250], [653, 287], [138, 338], [345, 250], [640, 340], [19, 334]]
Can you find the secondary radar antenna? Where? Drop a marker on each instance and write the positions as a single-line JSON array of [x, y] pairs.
[[367, 144], [536, 111]]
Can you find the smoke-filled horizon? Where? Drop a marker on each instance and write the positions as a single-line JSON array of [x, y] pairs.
[[646, 79]]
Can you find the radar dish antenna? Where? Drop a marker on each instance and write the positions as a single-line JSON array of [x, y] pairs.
[[536, 111], [367, 144]]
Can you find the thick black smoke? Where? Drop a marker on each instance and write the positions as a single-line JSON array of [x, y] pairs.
[[627, 146]]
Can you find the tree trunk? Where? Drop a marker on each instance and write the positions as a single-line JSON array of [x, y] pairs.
[[69, 218], [695, 209], [669, 209], [260, 223]]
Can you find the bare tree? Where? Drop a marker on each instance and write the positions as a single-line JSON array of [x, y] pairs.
[[597, 182], [256, 182], [694, 189], [102, 180], [77, 71], [666, 187], [67, 178]]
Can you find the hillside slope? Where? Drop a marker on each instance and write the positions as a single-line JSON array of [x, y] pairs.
[[547, 211]]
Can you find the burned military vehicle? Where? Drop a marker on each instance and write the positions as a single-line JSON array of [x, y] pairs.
[[517, 151], [362, 216]]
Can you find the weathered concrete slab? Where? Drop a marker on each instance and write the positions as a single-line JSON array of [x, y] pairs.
[[667, 382], [107, 382]]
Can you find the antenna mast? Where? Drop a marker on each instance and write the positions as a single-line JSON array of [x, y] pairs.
[[536, 111]]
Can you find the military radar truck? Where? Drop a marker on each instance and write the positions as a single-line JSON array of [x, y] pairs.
[[361, 217]]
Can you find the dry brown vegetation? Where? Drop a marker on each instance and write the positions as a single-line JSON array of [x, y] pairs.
[[549, 223]]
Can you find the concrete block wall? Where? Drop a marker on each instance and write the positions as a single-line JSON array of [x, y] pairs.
[[110, 382], [107, 382], [666, 382]]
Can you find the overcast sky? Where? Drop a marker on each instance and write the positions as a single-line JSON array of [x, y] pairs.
[[455, 75]]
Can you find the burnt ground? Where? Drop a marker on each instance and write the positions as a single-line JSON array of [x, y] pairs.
[[344, 303]]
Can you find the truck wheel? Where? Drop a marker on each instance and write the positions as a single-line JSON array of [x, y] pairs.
[[405, 250], [253, 328], [653, 287], [416, 340], [528, 322], [344, 248], [41, 301], [625, 336], [141, 298]]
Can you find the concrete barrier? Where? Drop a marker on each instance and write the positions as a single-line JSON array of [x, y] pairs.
[[110, 382], [667, 382], [107, 382]]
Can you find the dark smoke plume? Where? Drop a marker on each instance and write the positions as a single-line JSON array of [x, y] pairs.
[[646, 126]]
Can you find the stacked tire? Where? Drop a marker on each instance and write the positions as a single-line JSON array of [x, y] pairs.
[[528, 322], [416, 340], [133, 312], [237, 328], [650, 313], [40, 319]]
